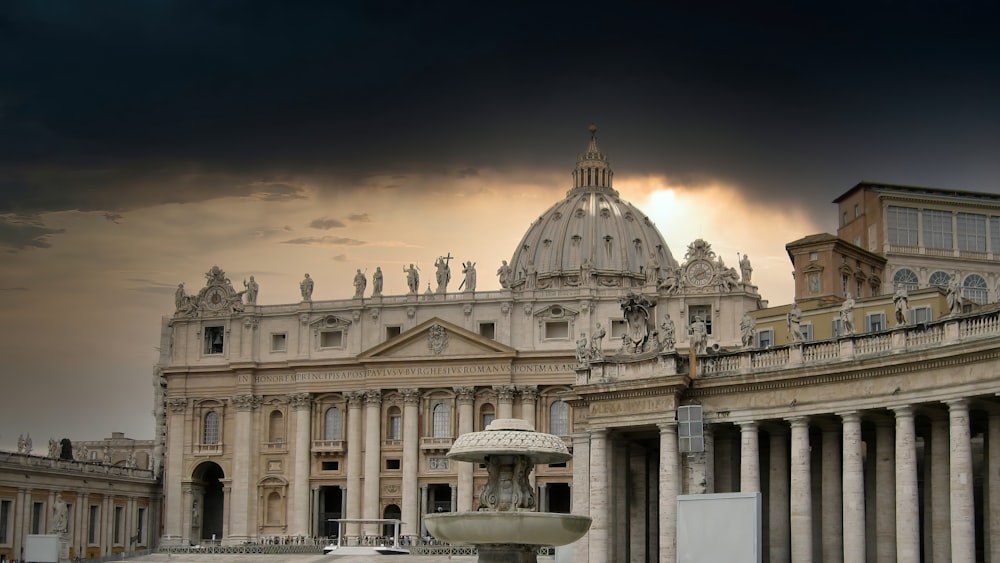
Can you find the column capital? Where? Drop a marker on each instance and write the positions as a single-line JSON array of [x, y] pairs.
[[300, 401], [410, 396], [601, 432], [903, 411], [798, 421], [528, 392], [749, 426], [667, 427], [465, 395], [504, 392], [957, 404], [354, 399], [850, 416], [177, 404], [373, 397], [247, 402]]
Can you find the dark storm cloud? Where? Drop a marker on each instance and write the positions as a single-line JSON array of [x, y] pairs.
[[19, 233], [112, 106], [327, 224], [360, 218], [325, 240]]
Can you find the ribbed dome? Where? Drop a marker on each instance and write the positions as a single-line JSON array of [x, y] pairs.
[[590, 233]]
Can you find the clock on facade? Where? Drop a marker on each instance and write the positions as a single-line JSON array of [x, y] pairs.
[[700, 273], [215, 297]]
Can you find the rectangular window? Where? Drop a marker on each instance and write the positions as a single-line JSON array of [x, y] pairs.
[[618, 329], [807, 332], [971, 231], [875, 322], [92, 520], [331, 339], [937, 229], [331, 466], [813, 256], [857, 211], [835, 328], [37, 509], [764, 338], [703, 311], [392, 332], [902, 226], [395, 427], [919, 315], [5, 508], [140, 526], [690, 431], [859, 287], [119, 524], [393, 464], [995, 234], [557, 330], [488, 330], [279, 342], [215, 338]]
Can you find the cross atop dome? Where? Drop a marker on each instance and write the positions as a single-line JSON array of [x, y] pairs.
[[592, 169]]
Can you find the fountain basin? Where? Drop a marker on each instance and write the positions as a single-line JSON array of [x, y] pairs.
[[526, 528]]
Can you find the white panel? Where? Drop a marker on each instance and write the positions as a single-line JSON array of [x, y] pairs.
[[720, 527]]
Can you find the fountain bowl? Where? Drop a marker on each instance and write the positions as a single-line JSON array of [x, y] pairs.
[[490, 527]]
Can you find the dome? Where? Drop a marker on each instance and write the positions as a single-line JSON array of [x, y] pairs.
[[592, 236]]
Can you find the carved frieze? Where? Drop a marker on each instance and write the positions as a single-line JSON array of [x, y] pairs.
[[437, 339]]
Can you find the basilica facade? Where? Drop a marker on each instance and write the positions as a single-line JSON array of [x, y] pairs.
[[877, 445]]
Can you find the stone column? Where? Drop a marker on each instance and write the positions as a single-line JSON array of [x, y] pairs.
[[373, 458], [907, 516], [411, 457], [854, 489], [505, 400], [466, 417], [581, 490], [317, 514], [778, 517], [599, 506], [354, 468], [301, 404], [885, 492], [939, 492], [529, 396], [227, 504], [992, 501], [173, 473], [801, 492], [668, 487], [749, 458], [963, 519], [241, 528], [423, 509], [832, 507], [709, 458]]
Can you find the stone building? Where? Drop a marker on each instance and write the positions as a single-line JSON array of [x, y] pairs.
[[116, 450], [99, 509], [877, 443]]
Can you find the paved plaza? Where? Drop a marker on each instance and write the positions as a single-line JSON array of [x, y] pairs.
[[244, 558]]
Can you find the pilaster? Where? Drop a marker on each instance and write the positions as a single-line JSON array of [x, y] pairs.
[[373, 458], [411, 457], [301, 404]]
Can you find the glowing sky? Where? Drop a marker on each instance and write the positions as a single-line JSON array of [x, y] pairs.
[[143, 142]]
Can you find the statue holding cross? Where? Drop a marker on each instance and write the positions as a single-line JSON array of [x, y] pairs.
[[443, 273]]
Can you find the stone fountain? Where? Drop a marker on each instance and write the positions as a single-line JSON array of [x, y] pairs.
[[506, 528]]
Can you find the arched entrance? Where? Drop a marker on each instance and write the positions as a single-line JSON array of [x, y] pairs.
[[391, 512], [207, 501]]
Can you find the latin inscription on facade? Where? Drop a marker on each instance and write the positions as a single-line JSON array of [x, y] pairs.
[[642, 405], [417, 371]]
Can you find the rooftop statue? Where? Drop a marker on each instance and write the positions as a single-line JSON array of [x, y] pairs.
[[251, 291], [306, 287], [504, 273], [360, 283], [469, 269], [377, 282], [412, 278]]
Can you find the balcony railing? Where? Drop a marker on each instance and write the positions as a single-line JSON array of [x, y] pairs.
[[431, 444], [328, 446], [208, 449]]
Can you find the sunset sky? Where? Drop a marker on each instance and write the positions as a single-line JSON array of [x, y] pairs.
[[141, 143]]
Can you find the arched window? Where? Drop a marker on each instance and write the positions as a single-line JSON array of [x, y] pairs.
[[276, 427], [442, 421], [394, 426], [905, 277], [559, 418], [211, 434], [939, 279], [486, 415], [974, 288], [333, 425]]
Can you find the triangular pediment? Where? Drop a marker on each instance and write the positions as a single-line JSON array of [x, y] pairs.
[[437, 339]]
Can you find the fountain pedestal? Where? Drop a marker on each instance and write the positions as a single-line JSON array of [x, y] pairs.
[[506, 528]]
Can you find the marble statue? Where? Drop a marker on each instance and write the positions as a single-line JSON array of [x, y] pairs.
[[306, 287], [586, 270], [179, 296], [377, 282], [504, 272], [794, 321], [412, 278], [582, 352], [901, 301], [652, 269], [671, 280], [60, 519], [22, 444], [469, 269], [699, 335], [360, 283], [746, 270], [443, 274], [747, 326], [847, 316], [130, 461], [107, 454], [530, 275], [53, 448], [636, 310], [954, 296], [668, 334], [195, 514], [729, 279], [251, 291], [597, 341]]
